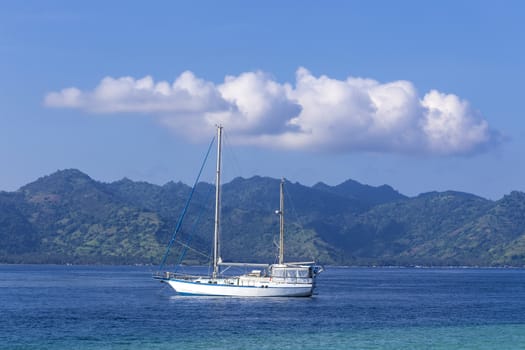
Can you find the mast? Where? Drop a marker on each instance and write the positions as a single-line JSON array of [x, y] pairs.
[[216, 256], [281, 222]]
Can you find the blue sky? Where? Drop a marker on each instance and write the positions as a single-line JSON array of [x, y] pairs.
[[419, 95]]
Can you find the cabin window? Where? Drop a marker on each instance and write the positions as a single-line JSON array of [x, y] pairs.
[[303, 273], [278, 272], [291, 273]]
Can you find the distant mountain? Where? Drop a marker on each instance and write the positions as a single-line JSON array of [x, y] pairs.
[[67, 217], [76, 219], [365, 193], [421, 230]]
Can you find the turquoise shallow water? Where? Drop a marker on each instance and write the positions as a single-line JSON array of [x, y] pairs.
[[66, 307], [474, 337]]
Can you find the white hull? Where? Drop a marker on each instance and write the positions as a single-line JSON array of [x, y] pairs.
[[223, 288]]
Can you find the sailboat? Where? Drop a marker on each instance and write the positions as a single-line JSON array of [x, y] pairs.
[[281, 279]]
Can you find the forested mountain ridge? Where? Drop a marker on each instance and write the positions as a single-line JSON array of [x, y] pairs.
[[67, 217]]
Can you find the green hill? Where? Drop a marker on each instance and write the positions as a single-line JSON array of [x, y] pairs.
[[67, 217]]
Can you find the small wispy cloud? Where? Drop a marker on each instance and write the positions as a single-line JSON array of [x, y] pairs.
[[317, 113]]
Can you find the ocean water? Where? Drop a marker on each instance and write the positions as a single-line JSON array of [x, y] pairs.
[[86, 307]]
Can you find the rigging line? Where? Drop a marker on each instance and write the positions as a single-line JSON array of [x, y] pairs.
[[291, 203], [184, 211], [185, 245], [276, 244], [236, 165], [184, 251]]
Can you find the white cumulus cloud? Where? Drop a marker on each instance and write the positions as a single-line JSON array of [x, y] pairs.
[[316, 113], [187, 94]]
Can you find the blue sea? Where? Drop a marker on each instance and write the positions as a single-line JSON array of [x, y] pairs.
[[98, 307]]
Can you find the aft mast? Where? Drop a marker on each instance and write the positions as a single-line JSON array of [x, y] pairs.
[[216, 235], [281, 222]]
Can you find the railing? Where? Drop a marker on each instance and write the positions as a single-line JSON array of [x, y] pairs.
[[173, 275], [291, 280]]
